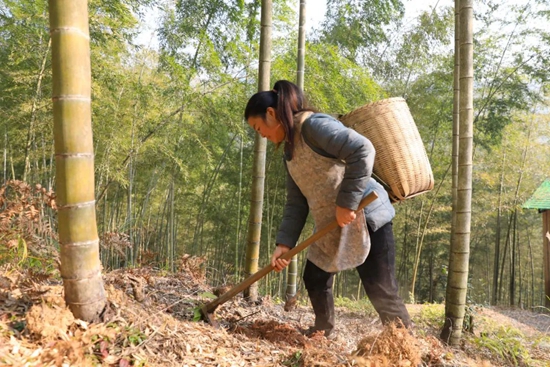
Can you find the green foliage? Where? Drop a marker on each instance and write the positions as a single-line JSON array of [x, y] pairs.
[[294, 360], [510, 68], [19, 257], [208, 295], [431, 315], [14, 252], [507, 343], [363, 305], [113, 22], [24, 79], [206, 36], [134, 337], [333, 84], [417, 54], [355, 27], [197, 314]]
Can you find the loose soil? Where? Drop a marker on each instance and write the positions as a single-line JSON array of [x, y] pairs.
[[151, 323]]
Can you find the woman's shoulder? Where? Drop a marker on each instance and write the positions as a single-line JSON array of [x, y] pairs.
[[320, 116], [325, 130], [320, 120]]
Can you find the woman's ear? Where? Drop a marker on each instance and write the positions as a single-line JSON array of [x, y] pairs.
[[271, 112]]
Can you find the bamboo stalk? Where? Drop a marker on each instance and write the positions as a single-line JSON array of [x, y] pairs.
[[292, 271], [258, 167], [460, 246], [79, 243]]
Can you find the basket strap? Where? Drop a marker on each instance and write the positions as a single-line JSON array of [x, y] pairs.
[[381, 182]]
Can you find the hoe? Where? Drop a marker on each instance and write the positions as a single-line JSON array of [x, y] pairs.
[[207, 310]]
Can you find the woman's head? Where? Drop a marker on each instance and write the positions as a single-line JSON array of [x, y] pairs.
[[271, 113], [260, 113]]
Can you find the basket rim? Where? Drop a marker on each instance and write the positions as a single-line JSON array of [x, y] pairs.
[[375, 103]]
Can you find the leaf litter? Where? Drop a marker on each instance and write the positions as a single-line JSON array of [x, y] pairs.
[[152, 325]]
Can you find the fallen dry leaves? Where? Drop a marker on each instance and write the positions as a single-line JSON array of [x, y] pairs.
[[155, 327]]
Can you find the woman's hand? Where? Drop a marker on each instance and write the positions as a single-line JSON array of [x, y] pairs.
[[344, 216], [279, 264]]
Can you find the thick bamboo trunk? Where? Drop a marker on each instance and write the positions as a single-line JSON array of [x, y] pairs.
[[258, 168], [460, 246], [79, 243], [456, 117], [456, 120]]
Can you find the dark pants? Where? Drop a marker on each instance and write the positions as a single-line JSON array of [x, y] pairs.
[[377, 274]]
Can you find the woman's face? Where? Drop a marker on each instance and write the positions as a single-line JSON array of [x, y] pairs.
[[270, 127]]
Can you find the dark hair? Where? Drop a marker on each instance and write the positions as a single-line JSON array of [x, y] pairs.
[[287, 99]]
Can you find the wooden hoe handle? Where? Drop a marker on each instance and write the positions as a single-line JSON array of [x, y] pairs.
[[210, 307]]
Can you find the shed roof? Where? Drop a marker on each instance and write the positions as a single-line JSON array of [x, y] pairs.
[[540, 198]]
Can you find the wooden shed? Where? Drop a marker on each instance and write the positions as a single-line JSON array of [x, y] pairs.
[[541, 200]]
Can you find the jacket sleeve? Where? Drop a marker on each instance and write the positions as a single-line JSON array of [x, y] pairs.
[[340, 142], [294, 215]]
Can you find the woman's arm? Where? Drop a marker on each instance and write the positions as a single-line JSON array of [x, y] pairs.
[[294, 214]]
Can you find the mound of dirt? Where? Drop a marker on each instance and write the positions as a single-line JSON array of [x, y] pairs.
[[274, 332], [394, 346]]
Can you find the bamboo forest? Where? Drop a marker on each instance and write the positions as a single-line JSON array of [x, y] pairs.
[[134, 190]]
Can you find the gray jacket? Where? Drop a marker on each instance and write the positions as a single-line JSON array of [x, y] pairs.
[[330, 138]]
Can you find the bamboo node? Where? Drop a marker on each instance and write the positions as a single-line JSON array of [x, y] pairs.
[[78, 278], [72, 97], [76, 206], [75, 155], [81, 243], [70, 30]]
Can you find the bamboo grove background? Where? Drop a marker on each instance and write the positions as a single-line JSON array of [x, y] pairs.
[[173, 155]]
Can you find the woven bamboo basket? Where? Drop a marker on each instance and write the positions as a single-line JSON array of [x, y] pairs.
[[401, 161]]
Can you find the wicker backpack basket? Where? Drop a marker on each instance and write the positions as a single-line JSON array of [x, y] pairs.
[[401, 162]]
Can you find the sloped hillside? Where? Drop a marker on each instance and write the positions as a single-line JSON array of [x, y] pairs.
[[151, 323]]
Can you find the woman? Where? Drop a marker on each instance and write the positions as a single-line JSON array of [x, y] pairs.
[[329, 170]]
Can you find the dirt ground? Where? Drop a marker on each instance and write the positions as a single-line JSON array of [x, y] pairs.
[[152, 322], [529, 322]]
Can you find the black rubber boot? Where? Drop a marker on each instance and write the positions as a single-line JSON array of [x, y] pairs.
[[319, 288], [323, 307], [378, 277]]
